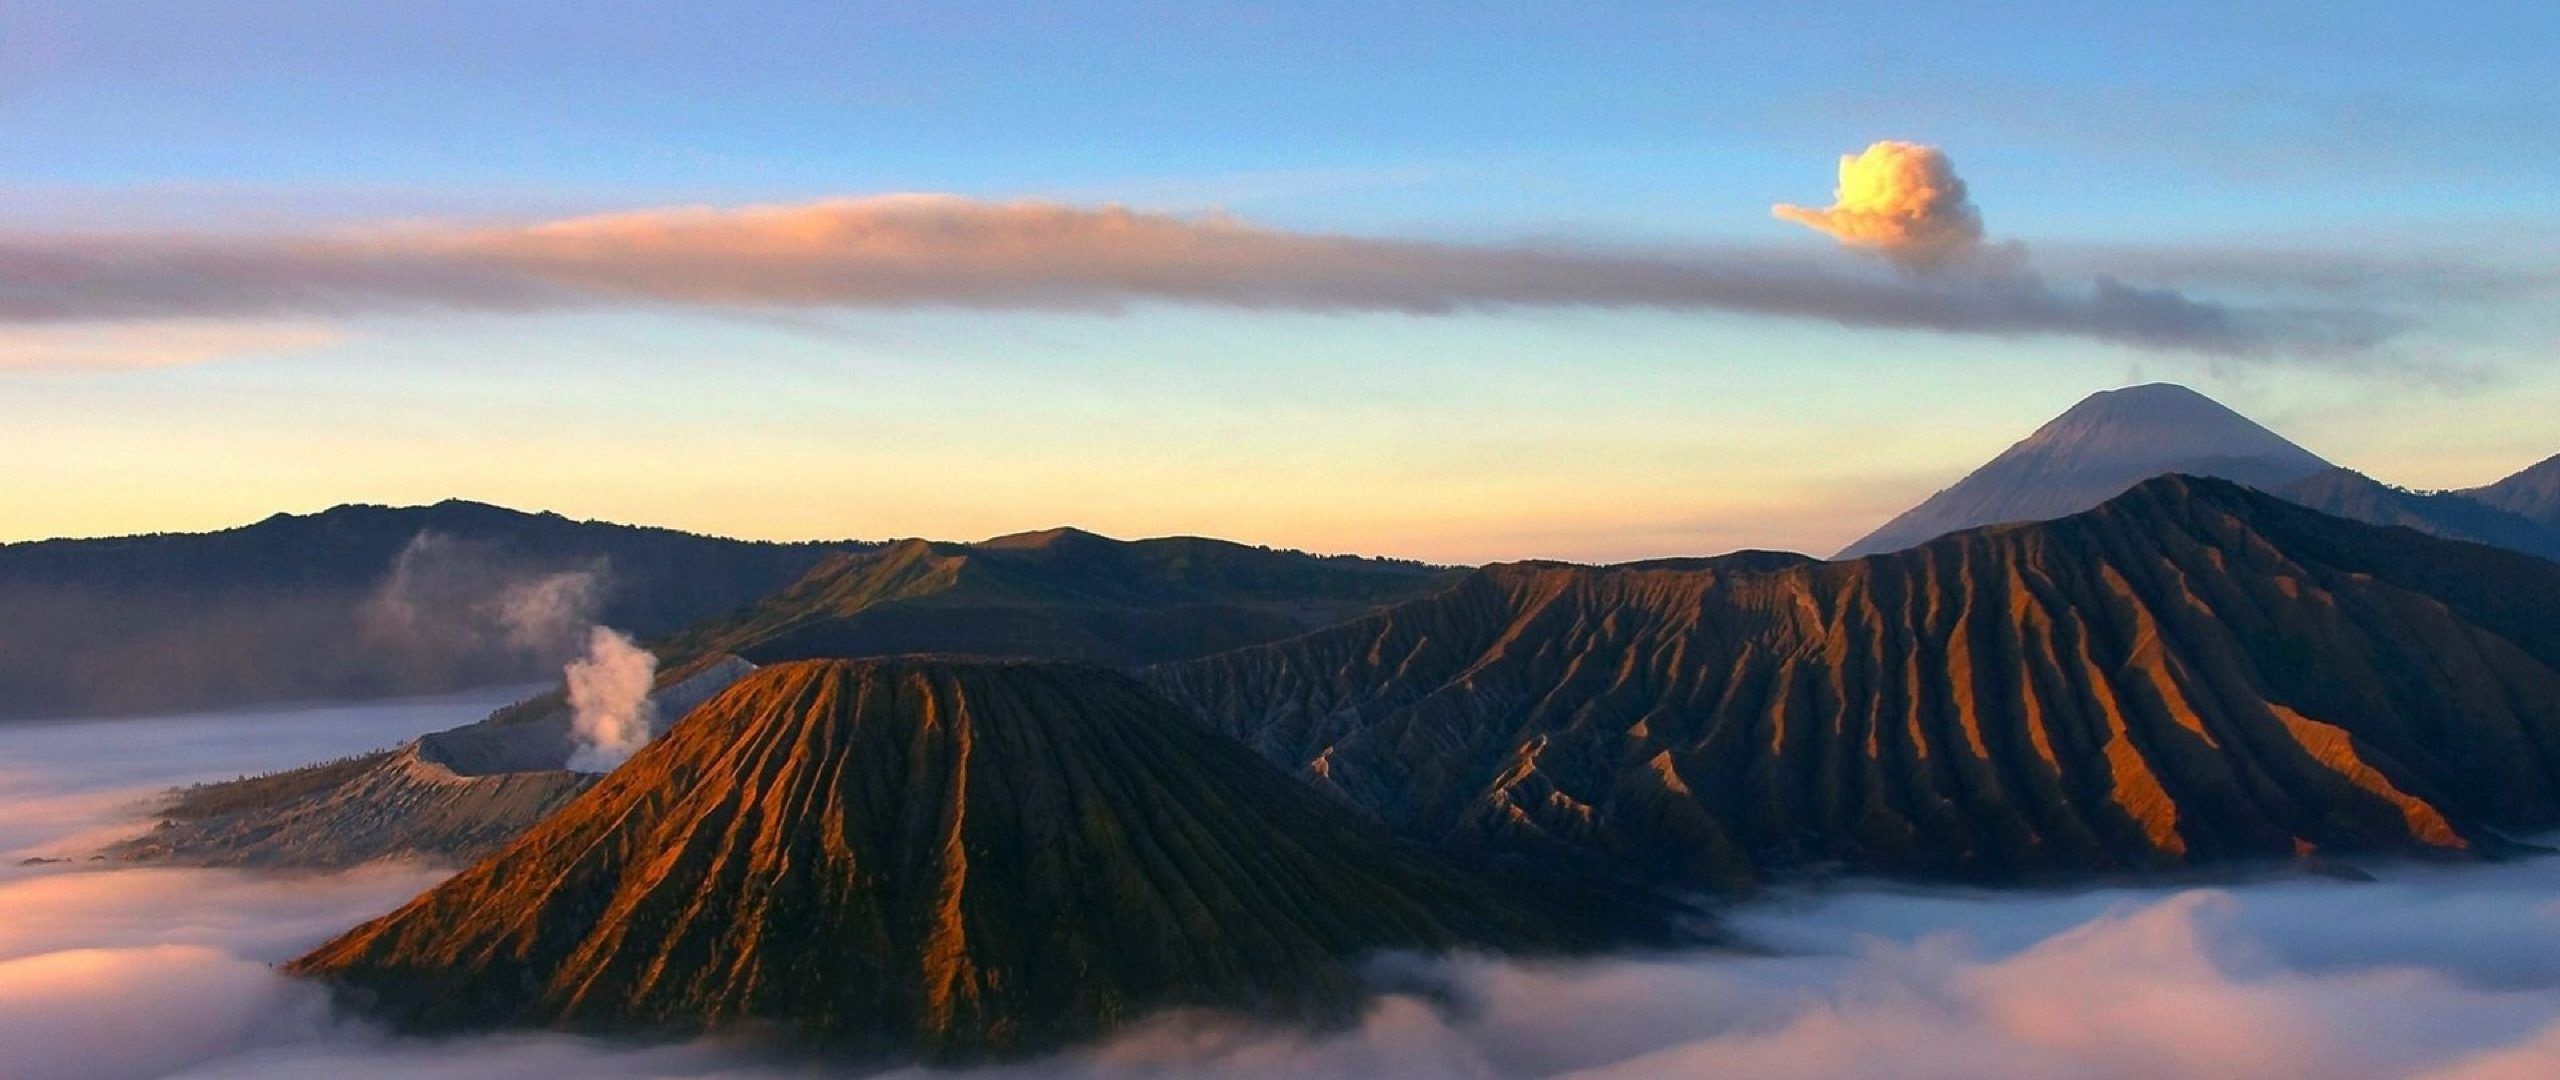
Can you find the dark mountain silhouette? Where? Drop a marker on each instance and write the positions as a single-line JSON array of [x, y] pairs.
[[2533, 494], [2453, 515], [919, 856], [2108, 442], [2194, 671], [1058, 594], [354, 602]]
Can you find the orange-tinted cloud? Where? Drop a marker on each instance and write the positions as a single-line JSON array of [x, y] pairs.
[[907, 251], [1900, 200], [92, 346]]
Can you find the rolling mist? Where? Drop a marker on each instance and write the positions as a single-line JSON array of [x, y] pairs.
[[2430, 970]]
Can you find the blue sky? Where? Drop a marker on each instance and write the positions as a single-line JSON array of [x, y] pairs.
[[2396, 144], [1437, 117]]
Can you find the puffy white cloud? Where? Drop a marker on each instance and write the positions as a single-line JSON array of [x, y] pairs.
[[1901, 200]]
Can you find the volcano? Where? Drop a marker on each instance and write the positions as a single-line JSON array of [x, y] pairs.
[[2108, 442], [927, 857], [1057, 594]]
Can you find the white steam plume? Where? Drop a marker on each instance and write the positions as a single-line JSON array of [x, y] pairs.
[[453, 602], [610, 711], [542, 614]]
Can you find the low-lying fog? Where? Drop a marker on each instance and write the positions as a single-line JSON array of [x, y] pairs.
[[2434, 971]]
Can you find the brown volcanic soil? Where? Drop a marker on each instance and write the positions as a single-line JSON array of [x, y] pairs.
[[2191, 672], [921, 856]]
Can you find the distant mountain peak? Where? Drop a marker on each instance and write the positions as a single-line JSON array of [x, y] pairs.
[[2096, 449], [2149, 392], [2163, 421], [1044, 538]]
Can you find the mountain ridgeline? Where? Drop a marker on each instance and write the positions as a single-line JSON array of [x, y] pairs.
[[1061, 594], [2192, 672], [958, 857], [939, 858], [2532, 494], [2115, 439], [1058, 594], [2454, 515], [354, 602]]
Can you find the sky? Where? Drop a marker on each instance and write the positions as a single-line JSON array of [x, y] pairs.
[[1461, 282]]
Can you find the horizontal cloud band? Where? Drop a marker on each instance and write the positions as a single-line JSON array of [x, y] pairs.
[[923, 250]]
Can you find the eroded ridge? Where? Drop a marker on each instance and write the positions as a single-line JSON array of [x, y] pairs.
[[2191, 672]]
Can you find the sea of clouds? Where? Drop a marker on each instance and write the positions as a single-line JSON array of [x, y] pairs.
[[2435, 971]]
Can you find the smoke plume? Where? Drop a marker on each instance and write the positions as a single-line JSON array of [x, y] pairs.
[[1900, 200], [450, 604], [610, 711], [544, 615], [909, 251]]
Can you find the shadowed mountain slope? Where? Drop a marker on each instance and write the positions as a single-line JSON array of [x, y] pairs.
[[944, 858], [2108, 442], [2533, 494], [2453, 515], [354, 602], [2193, 671], [1059, 594]]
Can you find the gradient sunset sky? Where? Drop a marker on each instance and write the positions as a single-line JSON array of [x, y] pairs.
[[1460, 282]]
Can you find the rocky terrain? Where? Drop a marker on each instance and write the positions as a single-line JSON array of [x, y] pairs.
[[923, 857], [2194, 672], [451, 796], [1060, 594]]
